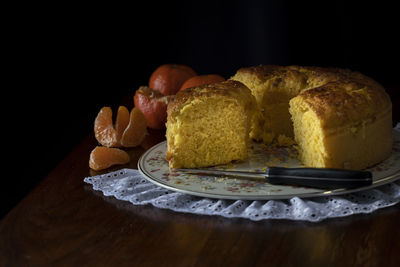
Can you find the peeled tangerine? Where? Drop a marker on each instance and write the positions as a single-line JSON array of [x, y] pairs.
[[153, 105], [105, 157], [129, 129]]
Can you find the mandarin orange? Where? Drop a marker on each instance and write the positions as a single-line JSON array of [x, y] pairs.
[[136, 129], [168, 78], [103, 128], [202, 79], [153, 105], [121, 122], [105, 133], [104, 157]]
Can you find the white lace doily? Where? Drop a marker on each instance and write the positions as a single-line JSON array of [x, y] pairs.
[[130, 185]]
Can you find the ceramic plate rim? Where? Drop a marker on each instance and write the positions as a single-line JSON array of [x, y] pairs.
[[148, 176]]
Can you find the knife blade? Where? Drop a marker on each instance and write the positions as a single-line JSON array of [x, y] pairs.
[[324, 178]]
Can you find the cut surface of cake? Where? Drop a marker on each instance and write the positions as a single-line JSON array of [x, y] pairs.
[[338, 118], [209, 125]]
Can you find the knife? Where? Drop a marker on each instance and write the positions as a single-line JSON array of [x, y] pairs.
[[324, 178]]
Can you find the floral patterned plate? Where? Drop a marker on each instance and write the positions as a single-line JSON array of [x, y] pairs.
[[154, 168]]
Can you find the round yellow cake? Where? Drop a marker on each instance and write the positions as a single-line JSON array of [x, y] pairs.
[[337, 118]]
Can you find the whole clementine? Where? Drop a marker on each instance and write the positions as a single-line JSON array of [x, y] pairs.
[[168, 78], [202, 79]]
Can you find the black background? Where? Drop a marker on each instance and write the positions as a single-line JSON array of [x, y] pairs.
[[65, 62]]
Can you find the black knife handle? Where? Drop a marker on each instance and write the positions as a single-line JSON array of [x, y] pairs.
[[324, 178]]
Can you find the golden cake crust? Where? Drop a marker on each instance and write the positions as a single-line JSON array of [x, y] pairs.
[[226, 88], [337, 96], [340, 103]]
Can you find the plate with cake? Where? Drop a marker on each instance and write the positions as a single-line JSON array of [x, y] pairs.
[[266, 116]]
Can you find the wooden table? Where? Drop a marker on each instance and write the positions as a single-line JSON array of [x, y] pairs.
[[63, 221]]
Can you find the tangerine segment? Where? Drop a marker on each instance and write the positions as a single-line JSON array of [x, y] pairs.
[[121, 122], [103, 128], [136, 129], [104, 157]]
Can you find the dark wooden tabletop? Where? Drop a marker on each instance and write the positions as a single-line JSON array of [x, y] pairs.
[[63, 221]]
